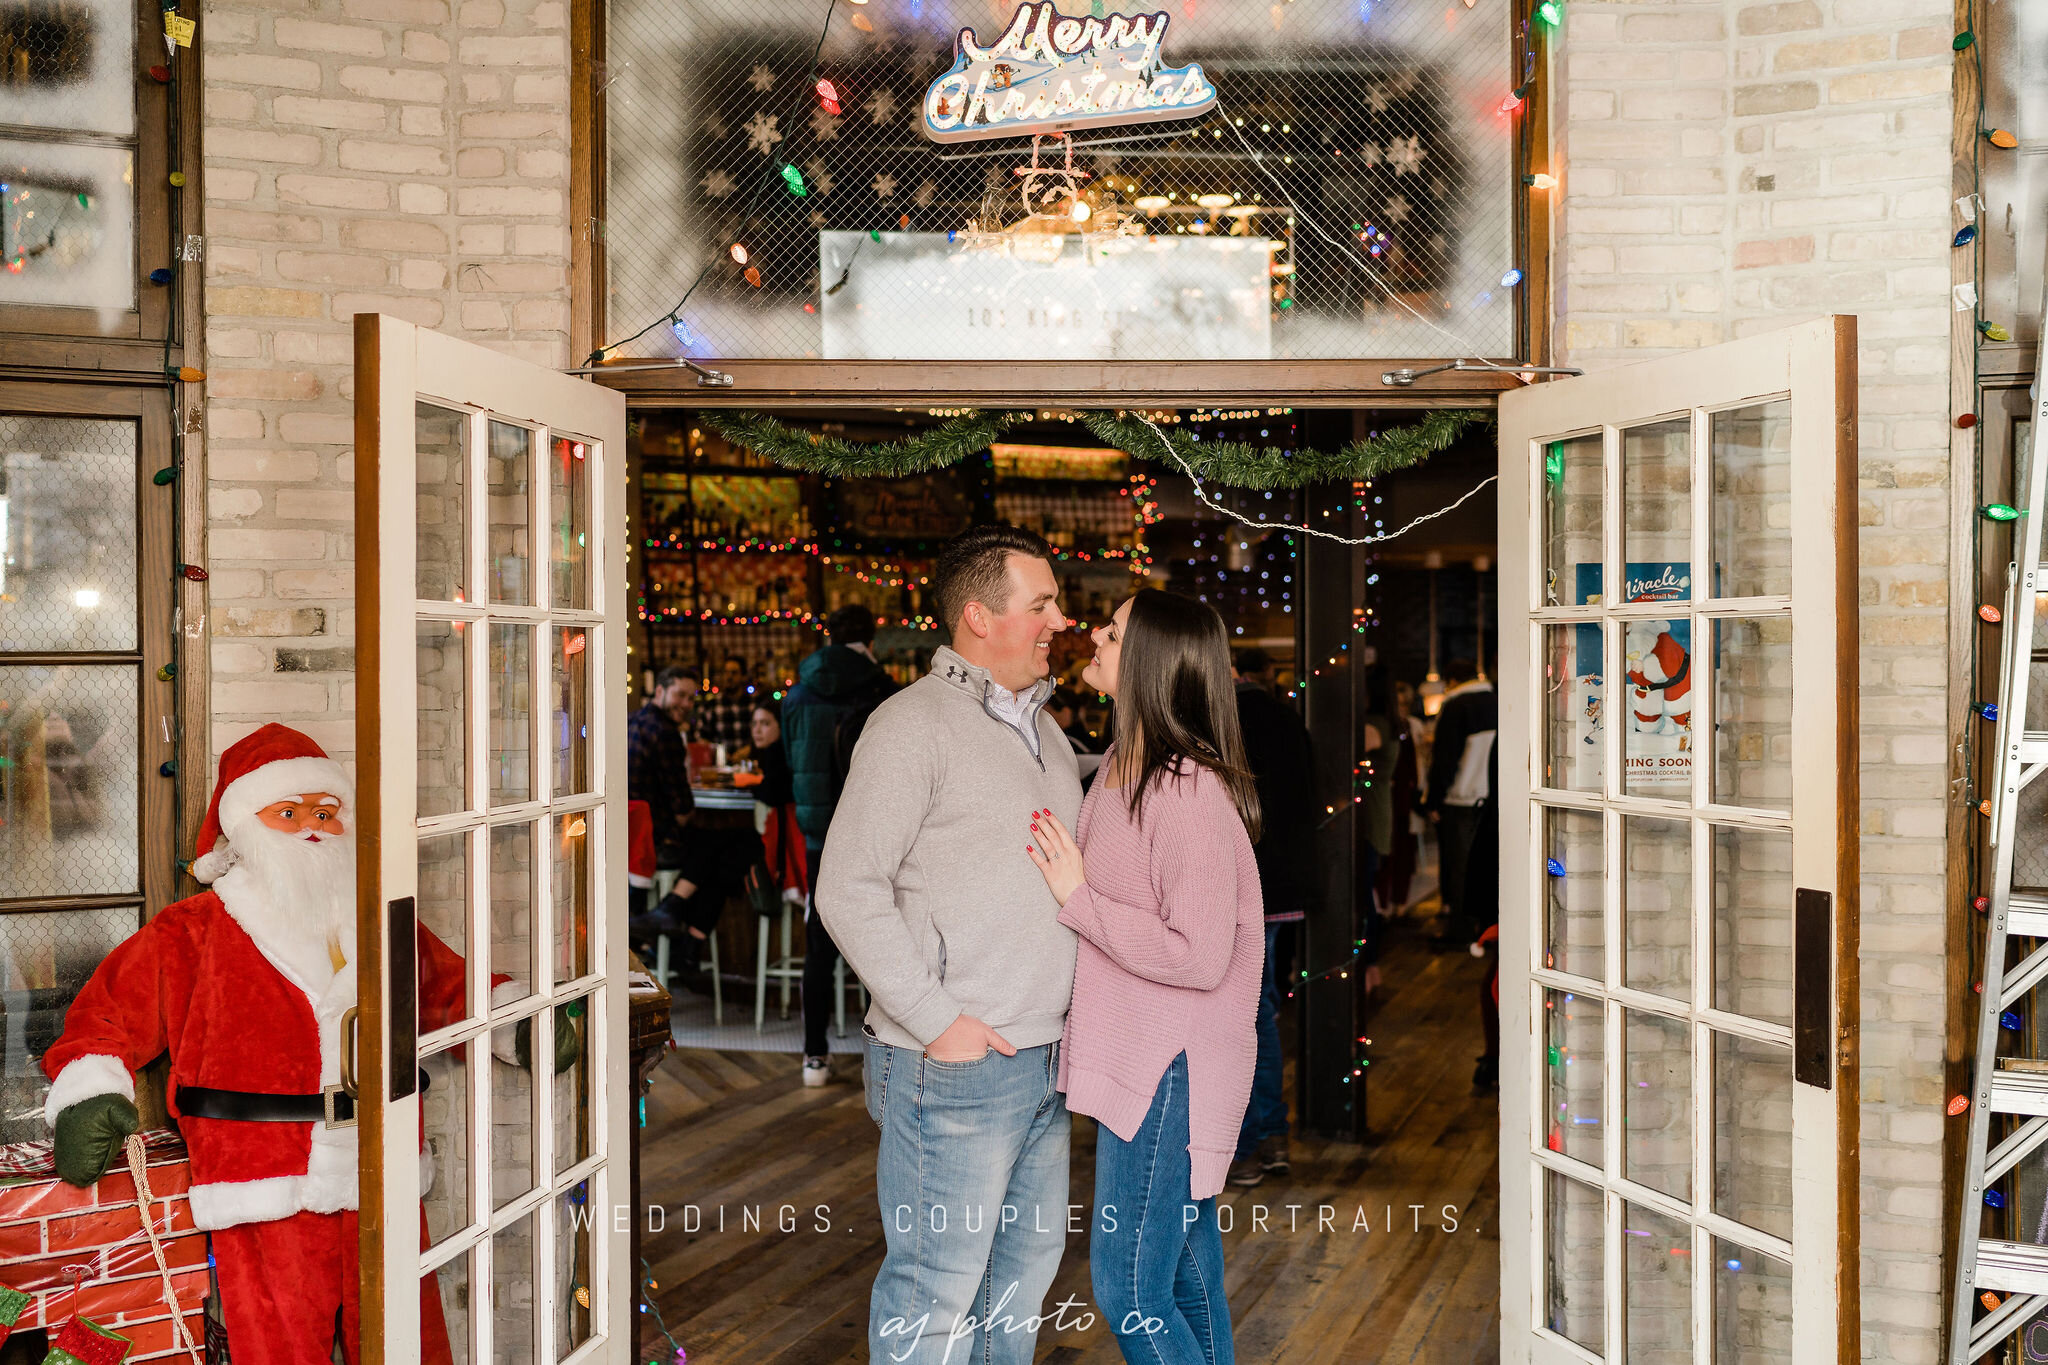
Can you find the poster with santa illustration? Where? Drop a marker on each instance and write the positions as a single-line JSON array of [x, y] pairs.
[[1656, 702]]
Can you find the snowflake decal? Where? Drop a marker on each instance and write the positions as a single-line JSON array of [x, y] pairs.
[[1405, 155], [761, 78], [714, 126], [1370, 154], [817, 218], [819, 178], [884, 186], [881, 106], [761, 132], [1397, 210], [718, 185], [1377, 99], [926, 193], [824, 126]]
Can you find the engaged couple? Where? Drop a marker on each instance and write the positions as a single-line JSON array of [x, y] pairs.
[[1030, 953]]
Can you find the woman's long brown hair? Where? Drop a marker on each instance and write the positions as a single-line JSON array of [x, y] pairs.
[[1176, 699]]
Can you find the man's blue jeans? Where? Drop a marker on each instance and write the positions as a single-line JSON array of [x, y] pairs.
[[1265, 1115], [1156, 1255], [972, 1182]]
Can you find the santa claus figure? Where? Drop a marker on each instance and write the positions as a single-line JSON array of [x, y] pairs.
[[245, 985]]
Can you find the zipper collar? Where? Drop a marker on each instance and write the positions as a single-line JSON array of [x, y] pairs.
[[976, 682]]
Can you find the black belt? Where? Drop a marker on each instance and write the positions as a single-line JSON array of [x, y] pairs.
[[204, 1102], [334, 1105]]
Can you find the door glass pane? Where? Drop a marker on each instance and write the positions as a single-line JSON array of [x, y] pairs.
[[513, 872], [452, 1281], [45, 960], [1656, 493], [444, 736], [69, 67], [1575, 1048], [1656, 1268], [1656, 905], [569, 727], [1656, 665], [1574, 727], [1751, 509], [1572, 517], [1574, 1255], [442, 902], [1656, 1103], [514, 1117], [1753, 922], [1573, 875], [509, 467], [570, 883], [68, 233], [513, 1331], [573, 1296], [69, 799], [1753, 1133], [569, 515], [444, 1115], [1752, 660], [572, 1092], [1752, 1307], [441, 441], [67, 534], [511, 714]]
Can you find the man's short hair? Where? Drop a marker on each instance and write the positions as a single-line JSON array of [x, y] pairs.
[[1252, 661], [974, 567], [852, 624], [671, 675], [739, 659]]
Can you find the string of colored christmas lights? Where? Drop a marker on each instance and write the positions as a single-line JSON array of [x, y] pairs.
[[649, 1306]]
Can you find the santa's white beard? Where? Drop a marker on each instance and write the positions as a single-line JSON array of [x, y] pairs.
[[301, 892]]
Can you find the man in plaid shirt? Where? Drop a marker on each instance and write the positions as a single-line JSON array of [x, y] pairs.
[[729, 717]]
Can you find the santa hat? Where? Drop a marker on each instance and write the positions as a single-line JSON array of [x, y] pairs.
[[274, 764]]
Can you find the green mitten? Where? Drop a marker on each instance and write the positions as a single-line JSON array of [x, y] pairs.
[[568, 1044], [90, 1135]]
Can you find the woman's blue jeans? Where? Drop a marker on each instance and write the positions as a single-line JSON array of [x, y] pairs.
[[1155, 1255]]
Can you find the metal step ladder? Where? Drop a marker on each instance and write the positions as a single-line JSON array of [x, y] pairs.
[[2001, 1286]]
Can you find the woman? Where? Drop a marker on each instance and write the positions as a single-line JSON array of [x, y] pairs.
[[1160, 1041], [774, 808]]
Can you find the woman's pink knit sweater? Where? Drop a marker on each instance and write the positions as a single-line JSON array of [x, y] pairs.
[[1171, 957]]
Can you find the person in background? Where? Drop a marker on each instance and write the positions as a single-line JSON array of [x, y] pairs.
[[1397, 870], [1277, 749], [836, 689], [775, 806], [1381, 751], [709, 864], [1459, 786], [730, 713]]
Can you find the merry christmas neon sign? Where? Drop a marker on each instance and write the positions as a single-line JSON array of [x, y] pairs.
[[1049, 73]]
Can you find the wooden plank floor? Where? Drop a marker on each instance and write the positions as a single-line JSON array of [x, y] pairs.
[[737, 1131]]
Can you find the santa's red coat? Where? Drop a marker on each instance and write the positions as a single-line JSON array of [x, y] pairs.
[[194, 982]]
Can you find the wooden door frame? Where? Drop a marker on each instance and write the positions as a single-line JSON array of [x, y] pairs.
[[1816, 361]]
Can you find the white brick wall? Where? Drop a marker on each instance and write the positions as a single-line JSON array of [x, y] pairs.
[[398, 156], [1729, 168]]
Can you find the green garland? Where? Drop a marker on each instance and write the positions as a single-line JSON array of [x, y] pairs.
[[1231, 464], [1238, 464]]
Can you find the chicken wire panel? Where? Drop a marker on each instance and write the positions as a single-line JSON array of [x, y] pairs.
[[1357, 171]]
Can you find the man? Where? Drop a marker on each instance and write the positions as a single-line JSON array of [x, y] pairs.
[[730, 715], [1276, 746], [246, 985], [837, 688], [927, 889], [710, 864], [1460, 785]]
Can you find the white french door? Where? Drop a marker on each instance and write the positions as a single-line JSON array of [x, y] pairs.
[[1678, 858], [491, 658]]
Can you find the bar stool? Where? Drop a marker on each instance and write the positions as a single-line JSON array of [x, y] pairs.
[[785, 969]]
